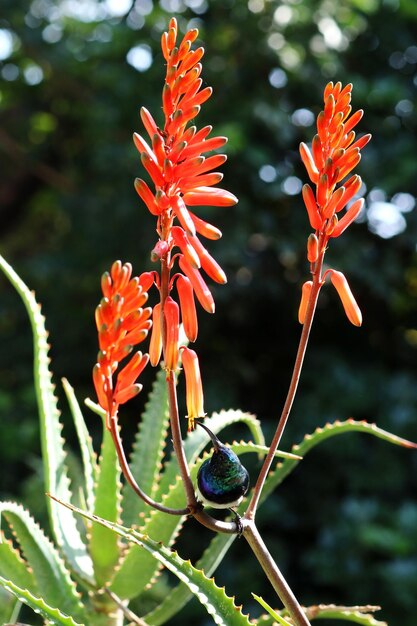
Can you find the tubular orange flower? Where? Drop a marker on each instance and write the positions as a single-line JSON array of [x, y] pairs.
[[172, 320], [305, 295], [121, 323], [187, 304], [352, 310], [194, 387], [155, 346]]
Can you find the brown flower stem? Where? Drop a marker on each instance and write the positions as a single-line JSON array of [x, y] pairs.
[[114, 430], [254, 539], [292, 390]]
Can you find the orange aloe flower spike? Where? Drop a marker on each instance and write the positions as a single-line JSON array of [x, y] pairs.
[[121, 324]]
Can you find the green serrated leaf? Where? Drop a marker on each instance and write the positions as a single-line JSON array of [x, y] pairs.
[[86, 446], [220, 607], [63, 522], [13, 567], [357, 614], [54, 615], [146, 457], [276, 616], [137, 569], [104, 545], [321, 434], [9, 607], [181, 594], [53, 581]]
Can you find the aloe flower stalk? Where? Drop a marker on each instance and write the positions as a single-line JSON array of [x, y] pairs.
[[122, 323], [334, 154], [181, 176]]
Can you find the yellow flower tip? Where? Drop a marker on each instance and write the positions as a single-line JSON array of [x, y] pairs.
[[305, 296], [349, 303]]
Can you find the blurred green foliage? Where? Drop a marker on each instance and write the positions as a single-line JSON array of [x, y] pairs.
[[344, 528]]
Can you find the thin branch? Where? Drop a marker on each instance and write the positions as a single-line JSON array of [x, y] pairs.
[[254, 539], [292, 390], [114, 430]]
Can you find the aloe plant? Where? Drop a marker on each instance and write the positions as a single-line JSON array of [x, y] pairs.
[[89, 577], [112, 538]]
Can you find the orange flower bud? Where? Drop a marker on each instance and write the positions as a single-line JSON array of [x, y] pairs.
[[329, 106], [322, 191], [187, 304], [330, 207], [355, 119], [183, 215], [172, 319], [182, 241], [147, 196], [352, 310], [155, 347], [311, 206], [204, 228], [312, 248], [209, 265], [317, 152], [129, 374], [99, 380], [308, 161], [201, 290], [202, 196], [148, 122], [194, 387], [351, 187], [350, 215], [123, 395], [305, 296]]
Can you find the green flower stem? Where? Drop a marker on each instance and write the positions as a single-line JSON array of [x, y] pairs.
[[254, 539]]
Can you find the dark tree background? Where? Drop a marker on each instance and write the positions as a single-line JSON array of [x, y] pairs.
[[73, 76]]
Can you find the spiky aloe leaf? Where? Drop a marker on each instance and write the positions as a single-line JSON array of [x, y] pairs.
[[63, 522], [274, 614], [105, 545], [181, 594], [357, 614], [53, 582], [148, 449], [13, 567], [86, 446], [52, 614], [221, 607], [321, 434], [9, 607], [137, 569]]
